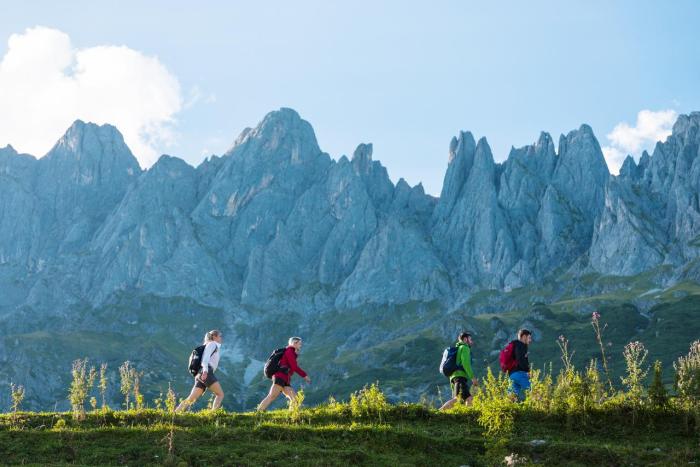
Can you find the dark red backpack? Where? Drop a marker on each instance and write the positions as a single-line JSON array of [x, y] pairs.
[[507, 358]]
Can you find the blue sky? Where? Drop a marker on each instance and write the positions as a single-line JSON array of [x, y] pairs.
[[406, 76]]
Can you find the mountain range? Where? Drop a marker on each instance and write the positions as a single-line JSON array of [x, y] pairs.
[[276, 230]]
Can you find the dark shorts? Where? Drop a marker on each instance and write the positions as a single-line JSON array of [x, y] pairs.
[[279, 381], [211, 379], [460, 388]]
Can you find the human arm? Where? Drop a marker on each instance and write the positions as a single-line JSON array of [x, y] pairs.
[[292, 363], [465, 361]]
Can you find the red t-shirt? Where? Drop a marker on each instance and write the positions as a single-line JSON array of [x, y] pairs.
[[289, 360]]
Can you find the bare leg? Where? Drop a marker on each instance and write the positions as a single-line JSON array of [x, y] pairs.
[[191, 399], [449, 404], [275, 391], [218, 393], [289, 393]]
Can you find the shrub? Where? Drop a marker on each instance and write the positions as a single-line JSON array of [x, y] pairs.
[[127, 383], [597, 390], [658, 395], [688, 376], [138, 397], [495, 406], [295, 404], [595, 322], [131, 384], [562, 390], [369, 402], [170, 400], [635, 355], [17, 393], [540, 395], [170, 404], [102, 384], [83, 380]]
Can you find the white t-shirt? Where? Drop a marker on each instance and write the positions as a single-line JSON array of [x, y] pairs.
[[209, 357]]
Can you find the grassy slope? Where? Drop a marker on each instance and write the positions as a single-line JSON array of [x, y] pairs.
[[405, 435], [398, 346]]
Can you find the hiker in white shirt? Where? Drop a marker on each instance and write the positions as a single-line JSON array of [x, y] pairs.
[[206, 378]]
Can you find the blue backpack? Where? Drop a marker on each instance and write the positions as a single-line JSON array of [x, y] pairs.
[[448, 365]]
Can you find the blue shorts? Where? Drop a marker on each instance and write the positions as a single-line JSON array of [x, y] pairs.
[[519, 383]]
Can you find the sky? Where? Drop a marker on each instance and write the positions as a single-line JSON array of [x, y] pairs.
[[185, 78]]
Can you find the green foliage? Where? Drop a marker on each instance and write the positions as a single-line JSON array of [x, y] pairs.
[[688, 375], [17, 394], [495, 406], [170, 400], [635, 355], [102, 384], [369, 402], [138, 397], [131, 385], [127, 382], [540, 397], [83, 381], [408, 434], [60, 424], [596, 388], [595, 322], [658, 395], [295, 404]]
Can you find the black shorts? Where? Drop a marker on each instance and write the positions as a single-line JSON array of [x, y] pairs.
[[460, 387], [211, 379], [280, 382]]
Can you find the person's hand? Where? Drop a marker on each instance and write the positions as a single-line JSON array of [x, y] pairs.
[[475, 382], [307, 379], [203, 377]]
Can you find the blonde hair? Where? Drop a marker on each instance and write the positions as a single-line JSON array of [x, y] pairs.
[[294, 340], [208, 337]]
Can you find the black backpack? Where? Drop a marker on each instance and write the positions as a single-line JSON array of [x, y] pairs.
[[272, 365], [448, 365], [196, 359]]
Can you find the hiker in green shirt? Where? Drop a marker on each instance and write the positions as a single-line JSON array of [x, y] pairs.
[[459, 380]]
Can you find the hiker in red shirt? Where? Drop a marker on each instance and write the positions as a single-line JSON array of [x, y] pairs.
[[282, 378]]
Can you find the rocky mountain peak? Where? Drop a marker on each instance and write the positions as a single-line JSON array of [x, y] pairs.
[[482, 153], [281, 133], [686, 124], [88, 150], [544, 143], [8, 150], [170, 167], [462, 146], [644, 161], [629, 168], [362, 157]]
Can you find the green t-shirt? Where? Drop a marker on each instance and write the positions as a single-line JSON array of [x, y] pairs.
[[464, 359]]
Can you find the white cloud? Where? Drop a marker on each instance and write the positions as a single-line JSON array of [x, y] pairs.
[[614, 158], [625, 139], [46, 83]]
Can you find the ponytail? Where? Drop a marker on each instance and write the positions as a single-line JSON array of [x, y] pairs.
[[208, 337]]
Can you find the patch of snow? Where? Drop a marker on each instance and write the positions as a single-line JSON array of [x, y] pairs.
[[231, 205], [252, 370], [651, 291]]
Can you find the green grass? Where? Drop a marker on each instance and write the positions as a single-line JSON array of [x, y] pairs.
[[399, 346], [331, 435]]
